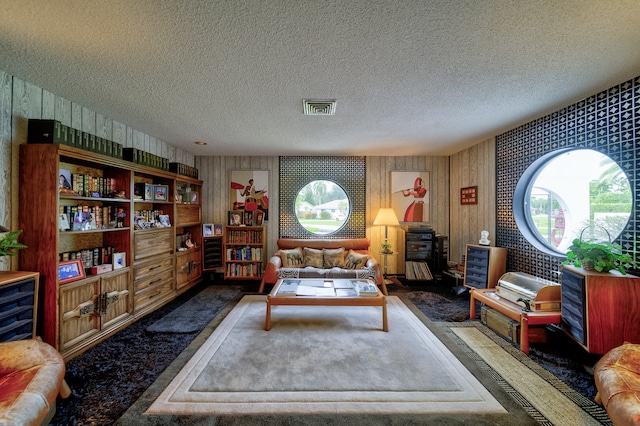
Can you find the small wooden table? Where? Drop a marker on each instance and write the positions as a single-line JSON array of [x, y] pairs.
[[273, 299], [513, 311]]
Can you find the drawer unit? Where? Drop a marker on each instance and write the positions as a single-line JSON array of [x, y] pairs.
[[18, 305], [484, 265], [151, 243], [153, 295], [188, 214], [151, 267]]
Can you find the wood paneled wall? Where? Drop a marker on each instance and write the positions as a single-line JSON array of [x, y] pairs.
[[474, 166], [216, 171], [20, 101]]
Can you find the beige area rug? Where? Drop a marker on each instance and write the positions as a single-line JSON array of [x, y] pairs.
[[323, 360], [544, 396]]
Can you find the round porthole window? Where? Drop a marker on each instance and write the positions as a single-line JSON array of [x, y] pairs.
[[322, 207], [565, 192]]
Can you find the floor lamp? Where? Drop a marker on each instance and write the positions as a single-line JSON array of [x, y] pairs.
[[386, 217]]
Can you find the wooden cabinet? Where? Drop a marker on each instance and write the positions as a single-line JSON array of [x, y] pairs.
[[244, 252], [121, 207], [600, 310], [188, 233], [92, 308], [18, 305], [484, 265]]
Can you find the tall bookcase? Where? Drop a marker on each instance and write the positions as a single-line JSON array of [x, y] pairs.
[[244, 252], [77, 314]]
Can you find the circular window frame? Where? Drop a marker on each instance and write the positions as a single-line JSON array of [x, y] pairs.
[[344, 222], [522, 195]]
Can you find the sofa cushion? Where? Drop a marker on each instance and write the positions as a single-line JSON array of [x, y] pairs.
[[333, 258], [355, 260], [313, 257], [292, 258]]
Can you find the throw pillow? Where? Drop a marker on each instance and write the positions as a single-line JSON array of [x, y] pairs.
[[333, 258], [313, 257], [355, 260], [292, 258]]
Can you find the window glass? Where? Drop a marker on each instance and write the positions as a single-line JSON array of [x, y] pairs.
[[575, 194], [322, 207]]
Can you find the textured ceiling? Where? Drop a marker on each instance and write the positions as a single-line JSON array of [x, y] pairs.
[[410, 77]]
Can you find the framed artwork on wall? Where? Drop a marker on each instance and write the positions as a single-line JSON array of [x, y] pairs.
[[469, 195], [248, 191], [410, 196]]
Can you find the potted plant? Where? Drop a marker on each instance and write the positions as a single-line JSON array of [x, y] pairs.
[[9, 244], [600, 256]]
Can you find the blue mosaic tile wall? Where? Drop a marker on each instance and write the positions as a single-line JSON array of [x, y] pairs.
[[608, 122]]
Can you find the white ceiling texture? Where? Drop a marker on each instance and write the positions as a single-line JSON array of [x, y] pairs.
[[411, 77]]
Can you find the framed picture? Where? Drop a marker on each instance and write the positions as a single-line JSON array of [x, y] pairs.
[[148, 192], [119, 260], [160, 192], [207, 229], [70, 270], [217, 229], [258, 217], [248, 191], [235, 217], [194, 197], [64, 181], [410, 196], [469, 195]]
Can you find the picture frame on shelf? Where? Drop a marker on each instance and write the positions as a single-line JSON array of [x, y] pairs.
[[119, 260], [258, 217], [207, 229], [235, 217], [194, 197], [148, 192], [160, 193], [70, 270], [217, 229]]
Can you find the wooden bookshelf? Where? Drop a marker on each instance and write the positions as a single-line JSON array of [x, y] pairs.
[[76, 315]]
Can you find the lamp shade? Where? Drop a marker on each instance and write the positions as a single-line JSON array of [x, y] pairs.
[[386, 217]]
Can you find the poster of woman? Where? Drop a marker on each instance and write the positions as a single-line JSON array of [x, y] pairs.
[[410, 196]]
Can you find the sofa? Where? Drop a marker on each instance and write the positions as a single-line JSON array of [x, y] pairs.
[[31, 378], [617, 379], [322, 258]]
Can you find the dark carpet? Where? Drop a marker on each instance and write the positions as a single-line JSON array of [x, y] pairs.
[[108, 378]]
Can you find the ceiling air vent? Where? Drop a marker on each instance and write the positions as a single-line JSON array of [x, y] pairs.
[[315, 107]]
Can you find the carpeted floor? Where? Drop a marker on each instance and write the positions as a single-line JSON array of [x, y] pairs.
[[110, 377]]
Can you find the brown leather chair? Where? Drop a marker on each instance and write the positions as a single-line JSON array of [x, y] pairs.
[[31, 378]]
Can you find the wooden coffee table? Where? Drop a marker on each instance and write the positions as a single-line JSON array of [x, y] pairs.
[[275, 299]]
